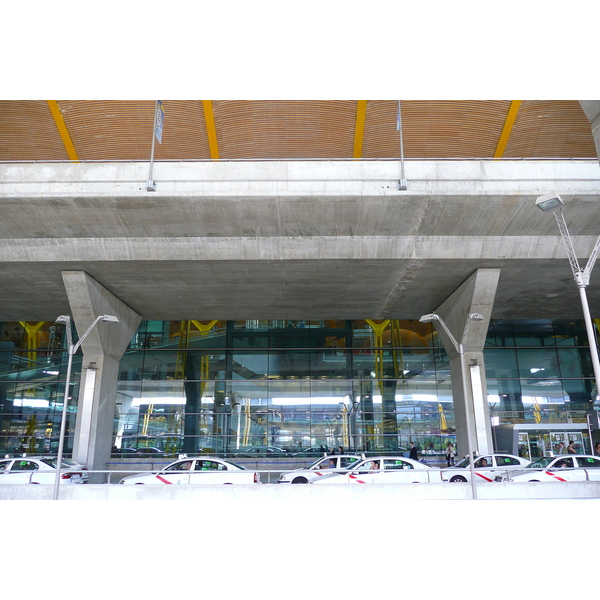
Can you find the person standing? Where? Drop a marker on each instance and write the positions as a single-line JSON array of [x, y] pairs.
[[450, 454], [562, 449], [597, 449], [413, 452], [571, 448]]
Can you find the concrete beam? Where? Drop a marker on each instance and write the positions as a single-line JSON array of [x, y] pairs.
[[102, 351], [320, 499], [294, 239]]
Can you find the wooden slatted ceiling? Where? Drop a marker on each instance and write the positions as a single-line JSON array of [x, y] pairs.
[[285, 129], [434, 129], [28, 132], [551, 129], [122, 130]]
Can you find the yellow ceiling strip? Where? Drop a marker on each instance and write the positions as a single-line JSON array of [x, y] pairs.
[[506, 130], [211, 130], [62, 129], [359, 131]]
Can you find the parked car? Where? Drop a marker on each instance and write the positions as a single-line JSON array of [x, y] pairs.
[[312, 452], [196, 470], [31, 469], [73, 464], [564, 467], [150, 452], [319, 468], [384, 469], [390, 450], [254, 451], [124, 452], [487, 468]]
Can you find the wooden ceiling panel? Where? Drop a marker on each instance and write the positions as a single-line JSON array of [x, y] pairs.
[[551, 129], [28, 132], [285, 129], [122, 130], [434, 128]]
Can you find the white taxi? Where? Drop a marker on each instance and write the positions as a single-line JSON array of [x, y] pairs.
[[199, 470], [27, 469], [564, 467], [319, 468], [384, 469], [490, 467]]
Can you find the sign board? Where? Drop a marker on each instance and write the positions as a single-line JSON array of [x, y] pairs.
[[159, 120]]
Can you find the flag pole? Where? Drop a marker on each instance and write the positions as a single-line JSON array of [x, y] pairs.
[[151, 185]]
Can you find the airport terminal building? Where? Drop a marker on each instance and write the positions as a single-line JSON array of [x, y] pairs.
[[290, 277]]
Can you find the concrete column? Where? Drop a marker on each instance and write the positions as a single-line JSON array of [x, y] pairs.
[[102, 351], [475, 295], [591, 108]]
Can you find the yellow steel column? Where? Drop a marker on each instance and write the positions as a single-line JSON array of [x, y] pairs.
[[211, 130], [204, 360], [62, 130], [378, 329], [506, 130], [359, 130], [32, 341]]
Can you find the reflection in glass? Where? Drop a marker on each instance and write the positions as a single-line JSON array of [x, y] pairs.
[[262, 385]]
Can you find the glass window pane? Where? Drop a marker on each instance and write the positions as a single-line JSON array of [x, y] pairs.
[[538, 364]]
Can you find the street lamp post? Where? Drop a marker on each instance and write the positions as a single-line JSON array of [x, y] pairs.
[[72, 348], [460, 349], [553, 203]]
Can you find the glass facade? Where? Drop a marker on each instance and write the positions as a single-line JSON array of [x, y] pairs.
[[254, 387]]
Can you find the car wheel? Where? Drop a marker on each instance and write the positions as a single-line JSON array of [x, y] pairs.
[[300, 480], [534, 481], [458, 479], [139, 484]]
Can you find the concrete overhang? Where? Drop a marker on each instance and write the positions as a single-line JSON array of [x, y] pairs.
[[294, 239]]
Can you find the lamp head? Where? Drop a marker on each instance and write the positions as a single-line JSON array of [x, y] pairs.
[[63, 319], [429, 318], [551, 201], [109, 318], [476, 317]]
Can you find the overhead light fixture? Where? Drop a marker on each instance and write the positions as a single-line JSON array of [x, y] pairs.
[[429, 318], [460, 349], [109, 318], [550, 201], [553, 203], [72, 349]]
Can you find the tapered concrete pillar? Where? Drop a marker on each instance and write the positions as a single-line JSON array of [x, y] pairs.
[[475, 295], [591, 108], [102, 351]]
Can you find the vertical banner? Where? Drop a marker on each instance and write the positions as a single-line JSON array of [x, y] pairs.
[[159, 120]]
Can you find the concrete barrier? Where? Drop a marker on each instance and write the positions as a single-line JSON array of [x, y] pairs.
[[265, 494]]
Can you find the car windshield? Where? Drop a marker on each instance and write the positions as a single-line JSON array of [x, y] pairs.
[[541, 463], [237, 466], [51, 462], [463, 463]]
